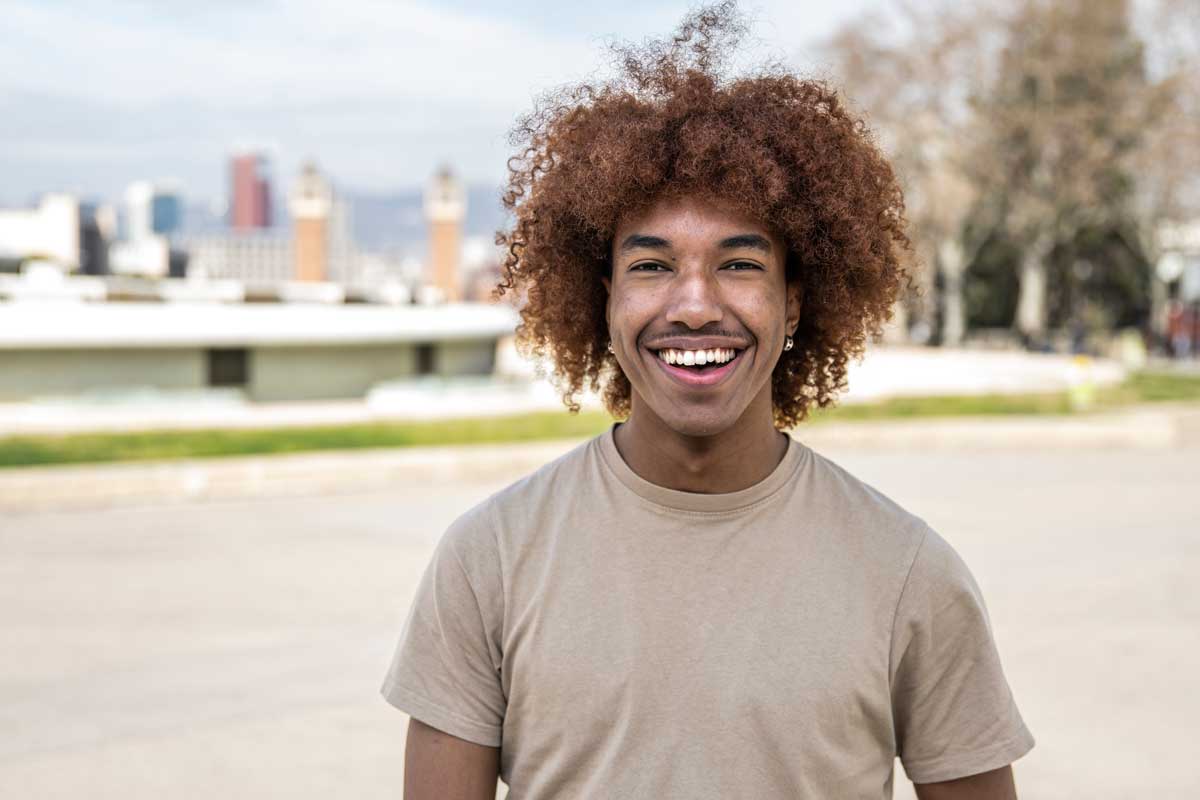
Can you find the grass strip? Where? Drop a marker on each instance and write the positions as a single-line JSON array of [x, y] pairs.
[[22, 451], [78, 448]]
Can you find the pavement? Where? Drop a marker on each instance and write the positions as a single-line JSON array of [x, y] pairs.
[[234, 647]]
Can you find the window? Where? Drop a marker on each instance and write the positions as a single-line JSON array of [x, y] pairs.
[[227, 367], [425, 359]]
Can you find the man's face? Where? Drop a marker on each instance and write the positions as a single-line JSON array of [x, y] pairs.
[[694, 282]]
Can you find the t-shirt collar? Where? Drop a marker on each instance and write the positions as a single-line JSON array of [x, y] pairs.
[[695, 501]]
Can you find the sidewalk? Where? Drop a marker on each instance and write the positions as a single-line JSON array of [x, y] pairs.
[[33, 489]]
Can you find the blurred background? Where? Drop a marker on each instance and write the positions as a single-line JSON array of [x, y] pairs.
[[250, 367]]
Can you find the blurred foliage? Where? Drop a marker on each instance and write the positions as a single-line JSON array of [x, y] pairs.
[[1095, 281], [1041, 144], [24, 451], [990, 285]]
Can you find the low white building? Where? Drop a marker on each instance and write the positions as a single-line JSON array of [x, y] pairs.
[[271, 352]]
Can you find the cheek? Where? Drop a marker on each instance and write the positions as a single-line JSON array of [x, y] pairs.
[[629, 315], [762, 312]]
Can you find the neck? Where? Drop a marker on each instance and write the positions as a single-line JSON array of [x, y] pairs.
[[728, 461]]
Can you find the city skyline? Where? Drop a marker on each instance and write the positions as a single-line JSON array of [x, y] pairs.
[[369, 92]]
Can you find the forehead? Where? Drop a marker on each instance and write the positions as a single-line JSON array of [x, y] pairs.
[[689, 219]]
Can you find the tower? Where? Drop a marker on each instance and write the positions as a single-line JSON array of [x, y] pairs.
[[250, 205], [445, 207], [311, 202]]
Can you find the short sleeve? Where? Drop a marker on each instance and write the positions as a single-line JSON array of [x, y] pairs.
[[953, 712], [446, 668]]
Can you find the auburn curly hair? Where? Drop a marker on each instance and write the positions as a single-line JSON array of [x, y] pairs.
[[782, 149]]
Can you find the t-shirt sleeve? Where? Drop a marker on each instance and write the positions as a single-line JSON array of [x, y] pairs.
[[953, 712], [446, 668]]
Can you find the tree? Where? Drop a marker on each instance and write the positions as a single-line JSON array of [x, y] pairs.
[[1064, 122], [1050, 139], [915, 75]]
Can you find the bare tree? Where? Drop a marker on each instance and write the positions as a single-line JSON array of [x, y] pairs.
[[1066, 119], [915, 75], [1036, 121]]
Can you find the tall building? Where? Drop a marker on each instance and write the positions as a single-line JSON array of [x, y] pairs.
[[250, 184], [445, 207], [153, 209], [311, 202]]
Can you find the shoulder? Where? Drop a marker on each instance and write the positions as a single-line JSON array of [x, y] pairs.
[[522, 503], [862, 516], [939, 579]]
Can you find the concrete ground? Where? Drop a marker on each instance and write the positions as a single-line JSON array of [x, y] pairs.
[[233, 648]]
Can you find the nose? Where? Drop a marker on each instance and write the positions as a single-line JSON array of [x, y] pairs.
[[695, 299]]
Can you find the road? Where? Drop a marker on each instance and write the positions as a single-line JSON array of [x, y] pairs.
[[234, 649]]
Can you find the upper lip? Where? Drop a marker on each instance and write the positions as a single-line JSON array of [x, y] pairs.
[[698, 343]]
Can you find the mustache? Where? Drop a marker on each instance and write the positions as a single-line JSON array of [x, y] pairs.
[[651, 340]]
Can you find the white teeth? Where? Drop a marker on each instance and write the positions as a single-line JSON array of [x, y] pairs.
[[719, 355]]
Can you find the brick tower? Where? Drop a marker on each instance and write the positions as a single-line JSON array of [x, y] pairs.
[[445, 207], [311, 201]]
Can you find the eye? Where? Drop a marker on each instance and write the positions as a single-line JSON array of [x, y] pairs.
[[742, 266], [647, 266]]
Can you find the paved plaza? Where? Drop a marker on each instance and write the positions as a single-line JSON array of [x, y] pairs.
[[234, 648]]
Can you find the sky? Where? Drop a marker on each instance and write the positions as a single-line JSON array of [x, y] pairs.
[[377, 92]]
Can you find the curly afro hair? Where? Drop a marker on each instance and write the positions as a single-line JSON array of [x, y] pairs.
[[782, 149]]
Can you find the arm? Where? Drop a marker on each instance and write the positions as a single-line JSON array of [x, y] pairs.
[[994, 785], [438, 766]]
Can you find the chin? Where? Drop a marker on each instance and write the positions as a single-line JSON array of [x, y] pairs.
[[699, 423]]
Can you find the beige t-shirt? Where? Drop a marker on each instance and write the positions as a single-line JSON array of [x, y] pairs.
[[618, 639]]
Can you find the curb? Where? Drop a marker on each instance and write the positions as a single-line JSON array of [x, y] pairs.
[[92, 486]]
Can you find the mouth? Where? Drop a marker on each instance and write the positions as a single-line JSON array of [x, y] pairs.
[[698, 367]]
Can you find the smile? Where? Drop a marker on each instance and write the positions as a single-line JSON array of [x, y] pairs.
[[698, 367]]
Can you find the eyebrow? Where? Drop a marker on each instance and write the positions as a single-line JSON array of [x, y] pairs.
[[751, 241], [638, 241]]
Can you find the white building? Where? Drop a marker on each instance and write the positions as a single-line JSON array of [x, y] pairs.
[[248, 257], [269, 352], [1180, 260], [152, 209], [50, 232]]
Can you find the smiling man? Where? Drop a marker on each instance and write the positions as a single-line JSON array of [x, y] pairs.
[[694, 604]]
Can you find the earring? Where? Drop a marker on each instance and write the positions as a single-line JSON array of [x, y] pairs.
[[610, 347], [787, 343]]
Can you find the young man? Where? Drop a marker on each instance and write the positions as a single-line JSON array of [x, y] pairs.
[[694, 604]]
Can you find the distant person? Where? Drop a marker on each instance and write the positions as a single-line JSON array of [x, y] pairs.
[[1179, 329], [693, 604]]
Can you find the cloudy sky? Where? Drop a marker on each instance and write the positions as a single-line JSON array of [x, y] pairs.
[[377, 92]]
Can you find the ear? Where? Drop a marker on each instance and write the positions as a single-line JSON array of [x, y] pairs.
[[608, 290], [795, 301]]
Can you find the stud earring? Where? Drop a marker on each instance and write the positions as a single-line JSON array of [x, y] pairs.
[[787, 343]]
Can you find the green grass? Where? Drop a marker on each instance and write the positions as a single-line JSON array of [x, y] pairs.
[[21, 451], [949, 406], [1153, 387]]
